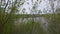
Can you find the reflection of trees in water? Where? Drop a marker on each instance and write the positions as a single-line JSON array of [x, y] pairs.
[[43, 22]]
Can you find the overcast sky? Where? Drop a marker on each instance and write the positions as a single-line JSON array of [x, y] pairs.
[[41, 4]]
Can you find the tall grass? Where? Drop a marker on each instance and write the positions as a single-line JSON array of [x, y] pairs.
[[30, 27], [54, 24]]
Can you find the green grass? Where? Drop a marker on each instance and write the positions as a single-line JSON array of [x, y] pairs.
[[54, 23], [30, 27]]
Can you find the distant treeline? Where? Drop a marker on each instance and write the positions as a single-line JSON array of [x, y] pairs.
[[27, 15]]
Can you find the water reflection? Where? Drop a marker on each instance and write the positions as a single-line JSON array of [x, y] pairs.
[[42, 20]]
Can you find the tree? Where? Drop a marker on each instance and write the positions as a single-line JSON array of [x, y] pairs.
[[53, 27], [8, 12]]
